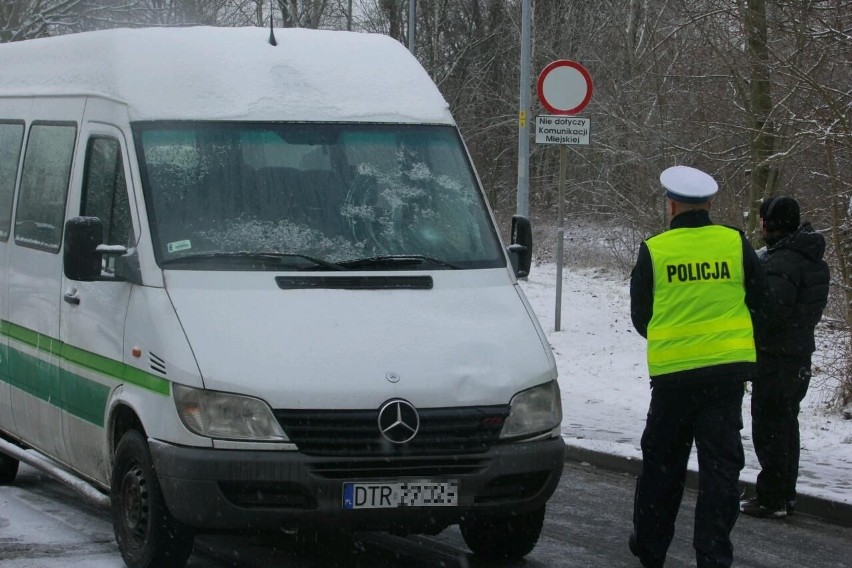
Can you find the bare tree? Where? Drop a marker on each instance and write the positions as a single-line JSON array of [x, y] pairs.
[[302, 13], [28, 19], [763, 176], [392, 12], [756, 92]]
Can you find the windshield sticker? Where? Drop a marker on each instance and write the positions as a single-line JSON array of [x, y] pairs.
[[178, 246]]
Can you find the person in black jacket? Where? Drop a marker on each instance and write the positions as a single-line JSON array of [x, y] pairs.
[[696, 293], [799, 279]]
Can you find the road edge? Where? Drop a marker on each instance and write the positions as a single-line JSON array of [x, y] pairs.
[[830, 511]]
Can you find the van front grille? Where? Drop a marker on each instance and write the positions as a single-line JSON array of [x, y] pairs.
[[455, 431], [397, 467]]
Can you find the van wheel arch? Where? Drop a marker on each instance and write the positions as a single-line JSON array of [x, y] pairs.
[[124, 419]]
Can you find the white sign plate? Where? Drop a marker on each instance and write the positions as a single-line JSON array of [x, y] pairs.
[[561, 129]]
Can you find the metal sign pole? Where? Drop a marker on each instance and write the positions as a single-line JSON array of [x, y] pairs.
[[560, 234], [412, 25], [523, 196]]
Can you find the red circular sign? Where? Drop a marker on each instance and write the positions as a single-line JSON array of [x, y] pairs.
[[564, 87]]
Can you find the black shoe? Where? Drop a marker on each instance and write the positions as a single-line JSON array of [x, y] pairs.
[[790, 505], [634, 548], [753, 508]]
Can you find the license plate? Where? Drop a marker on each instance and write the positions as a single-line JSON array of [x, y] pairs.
[[393, 494]]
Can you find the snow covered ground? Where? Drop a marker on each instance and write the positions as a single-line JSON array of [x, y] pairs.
[[605, 389]]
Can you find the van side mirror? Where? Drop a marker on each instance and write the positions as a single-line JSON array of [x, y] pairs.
[[127, 267], [520, 249], [81, 258]]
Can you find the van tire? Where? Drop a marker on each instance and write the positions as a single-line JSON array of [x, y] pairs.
[[147, 534], [510, 537], [8, 469]]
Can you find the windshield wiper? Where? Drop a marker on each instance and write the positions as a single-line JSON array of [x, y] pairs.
[[395, 260], [274, 258]]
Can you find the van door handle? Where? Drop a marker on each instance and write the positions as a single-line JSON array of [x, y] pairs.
[[72, 297]]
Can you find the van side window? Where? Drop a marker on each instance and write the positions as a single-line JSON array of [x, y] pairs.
[[105, 190], [11, 136], [44, 186]]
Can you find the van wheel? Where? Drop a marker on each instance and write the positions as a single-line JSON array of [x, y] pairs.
[[8, 469], [147, 534], [510, 537]]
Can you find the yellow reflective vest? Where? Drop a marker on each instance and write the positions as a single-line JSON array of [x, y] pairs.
[[700, 318]]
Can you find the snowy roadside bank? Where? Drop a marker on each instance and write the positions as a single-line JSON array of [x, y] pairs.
[[605, 389]]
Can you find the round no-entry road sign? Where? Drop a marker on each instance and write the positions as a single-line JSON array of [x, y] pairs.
[[564, 87]]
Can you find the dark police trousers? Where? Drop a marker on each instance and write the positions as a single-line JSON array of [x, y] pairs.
[[710, 414], [778, 389]]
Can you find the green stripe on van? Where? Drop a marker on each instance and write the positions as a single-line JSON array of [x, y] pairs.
[[33, 338], [146, 380], [92, 362], [79, 396], [46, 380]]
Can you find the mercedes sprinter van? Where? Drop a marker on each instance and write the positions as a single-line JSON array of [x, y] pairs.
[[256, 286]]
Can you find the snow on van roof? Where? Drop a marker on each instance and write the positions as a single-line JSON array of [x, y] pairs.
[[211, 73]]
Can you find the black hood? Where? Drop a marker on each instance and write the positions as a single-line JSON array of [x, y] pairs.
[[804, 240]]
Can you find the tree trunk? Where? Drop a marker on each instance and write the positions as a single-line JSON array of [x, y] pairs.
[[389, 7], [764, 176]]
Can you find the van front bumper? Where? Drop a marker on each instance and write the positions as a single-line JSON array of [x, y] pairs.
[[267, 490]]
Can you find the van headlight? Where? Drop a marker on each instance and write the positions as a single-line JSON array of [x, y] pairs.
[[226, 416], [534, 411]]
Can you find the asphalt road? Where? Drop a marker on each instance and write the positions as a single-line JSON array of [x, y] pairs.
[[44, 525]]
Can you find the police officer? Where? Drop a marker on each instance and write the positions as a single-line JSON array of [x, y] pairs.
[[696, 293]]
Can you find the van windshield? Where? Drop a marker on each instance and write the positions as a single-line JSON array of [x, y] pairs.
[[313, 196]]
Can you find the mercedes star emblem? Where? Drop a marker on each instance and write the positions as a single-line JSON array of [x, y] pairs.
[[398, 421]]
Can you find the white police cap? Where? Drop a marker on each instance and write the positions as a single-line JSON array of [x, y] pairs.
[[688, 185]]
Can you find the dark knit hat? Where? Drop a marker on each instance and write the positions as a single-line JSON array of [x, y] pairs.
[[780, 214]]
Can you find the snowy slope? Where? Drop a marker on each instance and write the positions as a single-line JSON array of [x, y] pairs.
[[605, 387]]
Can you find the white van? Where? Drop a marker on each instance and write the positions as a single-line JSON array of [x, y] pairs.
[[246, 286]]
